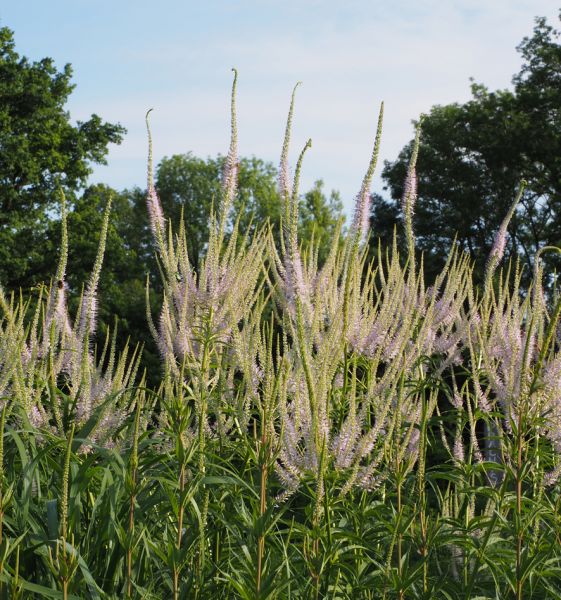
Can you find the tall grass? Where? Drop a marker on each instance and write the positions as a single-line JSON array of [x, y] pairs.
[[321, 430]]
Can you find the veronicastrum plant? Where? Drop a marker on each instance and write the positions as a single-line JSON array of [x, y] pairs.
[[66, 383], [202, 310], [358, 339], [201, 334], [332, 428], [54, 376], [364, 355]]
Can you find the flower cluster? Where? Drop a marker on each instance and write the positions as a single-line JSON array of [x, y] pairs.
[[349, 339], [56, 376], [201, 327]]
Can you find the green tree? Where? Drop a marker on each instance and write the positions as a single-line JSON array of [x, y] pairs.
[[385, 222], [40, 149], [473, 156], [189, 186]]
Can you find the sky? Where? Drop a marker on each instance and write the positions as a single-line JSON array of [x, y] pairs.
[[175, 56]]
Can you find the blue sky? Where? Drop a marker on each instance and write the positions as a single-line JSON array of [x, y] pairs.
[[176, 56]]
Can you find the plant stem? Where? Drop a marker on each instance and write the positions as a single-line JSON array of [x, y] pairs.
[[202, 419], [64, 508], [180, 516], [519, 529], [422, 492], [399, 536], [262, 503], [2, 425], [132, 500]]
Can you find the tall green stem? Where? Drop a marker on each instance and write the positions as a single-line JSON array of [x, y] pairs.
[[66, 574], [2, 425], [519, 528], [262, 499], [399, 534], [132, 499]]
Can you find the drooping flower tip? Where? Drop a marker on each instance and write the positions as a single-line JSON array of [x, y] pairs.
[[155, 212], [231, 166]]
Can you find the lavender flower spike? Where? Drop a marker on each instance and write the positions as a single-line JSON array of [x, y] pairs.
[[56, 307], [285, 186], [61, 269], [294, 268], [499, 244], [88, 309], [410, 195], [230, 175], [498, 249], [362, 203], [409, 192], [155, 212]]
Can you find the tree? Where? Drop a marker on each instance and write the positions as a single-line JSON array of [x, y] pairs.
[[188, 187], [472, 159], [40, 150]]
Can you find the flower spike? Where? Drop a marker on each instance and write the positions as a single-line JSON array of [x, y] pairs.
[[155, 212], [362, 202], [285, 187], [230, 175]]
